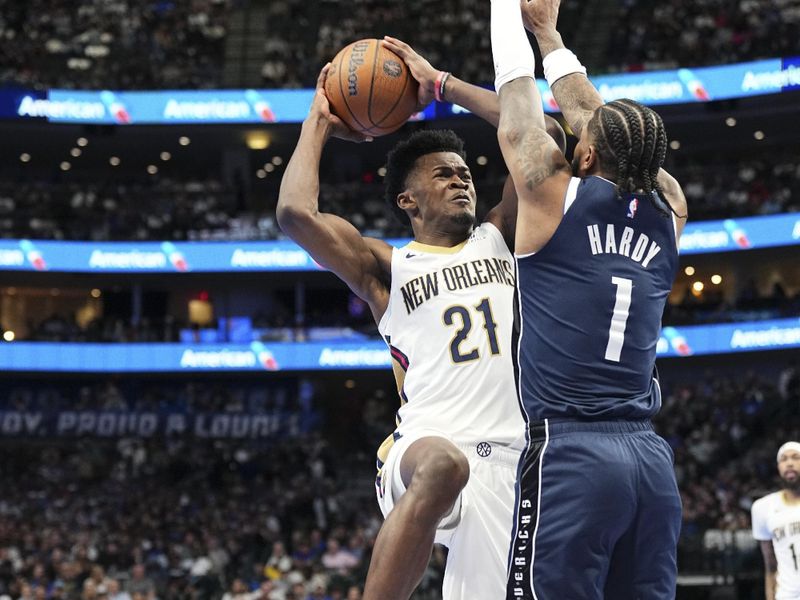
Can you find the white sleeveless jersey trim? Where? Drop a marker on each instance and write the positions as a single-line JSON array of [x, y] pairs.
[[572, 193], [569, 198], [414, 245], [449, 325], [675, 231], [773, 519]]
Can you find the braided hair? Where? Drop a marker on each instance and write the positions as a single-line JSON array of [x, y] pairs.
[[632, 144]]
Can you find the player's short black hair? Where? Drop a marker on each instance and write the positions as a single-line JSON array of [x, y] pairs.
[[632, 144], [403, 157]]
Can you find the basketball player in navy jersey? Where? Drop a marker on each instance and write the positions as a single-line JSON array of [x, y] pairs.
[[598, 511], [443, 303]]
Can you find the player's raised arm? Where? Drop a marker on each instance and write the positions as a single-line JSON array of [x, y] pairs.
[[362, 263], [438, 85], [446, 87], [576, 96], [540, 172]]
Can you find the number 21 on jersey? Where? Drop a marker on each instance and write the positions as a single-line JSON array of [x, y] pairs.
[[459, 316]]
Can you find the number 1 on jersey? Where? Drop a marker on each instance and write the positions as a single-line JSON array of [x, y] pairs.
[[619, 318]]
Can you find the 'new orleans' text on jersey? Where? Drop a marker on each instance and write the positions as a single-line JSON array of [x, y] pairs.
[[457, 277]]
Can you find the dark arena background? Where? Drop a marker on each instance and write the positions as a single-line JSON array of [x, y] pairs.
[[189, 406]]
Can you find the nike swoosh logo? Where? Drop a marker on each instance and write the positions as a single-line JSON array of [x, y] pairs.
[[409, 255]]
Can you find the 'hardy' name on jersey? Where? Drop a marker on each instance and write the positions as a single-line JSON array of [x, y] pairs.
[[643, 251], [457, 277]]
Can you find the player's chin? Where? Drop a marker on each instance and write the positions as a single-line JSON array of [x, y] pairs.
[[792, 481], [465, 218]]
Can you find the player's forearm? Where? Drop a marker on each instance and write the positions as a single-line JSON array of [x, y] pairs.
[[549, 40], [479, 101], [527, 148], [575, 94], [299, 193], [520, 107], [770, 585]]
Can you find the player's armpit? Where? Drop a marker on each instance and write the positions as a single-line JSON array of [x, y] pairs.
[[504, 214], [362, 263]]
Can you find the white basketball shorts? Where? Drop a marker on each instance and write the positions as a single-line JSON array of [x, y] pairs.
[[477, 532]]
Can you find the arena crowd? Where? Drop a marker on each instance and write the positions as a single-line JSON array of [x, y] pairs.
[[167, 45], [295, 518], [156, 208]]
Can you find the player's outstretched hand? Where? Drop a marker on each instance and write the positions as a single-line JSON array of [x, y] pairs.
[[420, 68], [321, 109], [540, 15]]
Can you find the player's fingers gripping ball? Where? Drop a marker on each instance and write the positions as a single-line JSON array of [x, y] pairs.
[[370, 88]]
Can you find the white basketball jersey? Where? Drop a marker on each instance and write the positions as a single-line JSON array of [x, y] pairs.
[[450, 328], [774, 519]]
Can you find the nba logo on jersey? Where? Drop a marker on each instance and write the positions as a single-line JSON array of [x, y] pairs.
[[632, 208]]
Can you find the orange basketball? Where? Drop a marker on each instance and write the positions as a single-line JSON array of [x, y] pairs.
[[370, 88]]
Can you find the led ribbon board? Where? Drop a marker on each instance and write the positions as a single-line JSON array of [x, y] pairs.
[[181, 107], [696, 340], [276, 256]]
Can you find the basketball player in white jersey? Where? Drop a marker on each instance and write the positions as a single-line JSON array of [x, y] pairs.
[[776, 524], [444, 305]]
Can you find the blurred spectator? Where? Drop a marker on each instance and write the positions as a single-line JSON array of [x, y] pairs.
[[121, 44], [338, 559], [652, 35], [140, 583]]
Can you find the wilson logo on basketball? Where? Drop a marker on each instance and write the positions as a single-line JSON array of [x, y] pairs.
[[392, 68], [356, 60]]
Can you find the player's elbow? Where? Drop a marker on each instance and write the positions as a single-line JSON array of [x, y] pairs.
[[510, 134], [291, 215]]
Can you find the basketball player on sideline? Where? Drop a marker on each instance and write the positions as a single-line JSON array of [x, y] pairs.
[[776, 524], [598, 513], [443, 304]]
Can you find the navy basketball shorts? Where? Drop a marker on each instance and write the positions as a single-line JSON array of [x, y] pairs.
[[597, 514]]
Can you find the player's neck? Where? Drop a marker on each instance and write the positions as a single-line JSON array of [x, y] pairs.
[[791, 497], [443, 239]]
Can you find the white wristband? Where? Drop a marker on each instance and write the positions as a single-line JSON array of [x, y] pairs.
[[560, 63]]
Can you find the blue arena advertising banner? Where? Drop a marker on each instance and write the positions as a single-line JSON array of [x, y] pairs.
[[741, 234], [272, 357], [140, 358], [164, 107], [276, 256], [179, 107], [696, 340], [791, 66]]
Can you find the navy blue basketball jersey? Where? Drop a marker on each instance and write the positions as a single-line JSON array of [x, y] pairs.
[[591, 303]]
